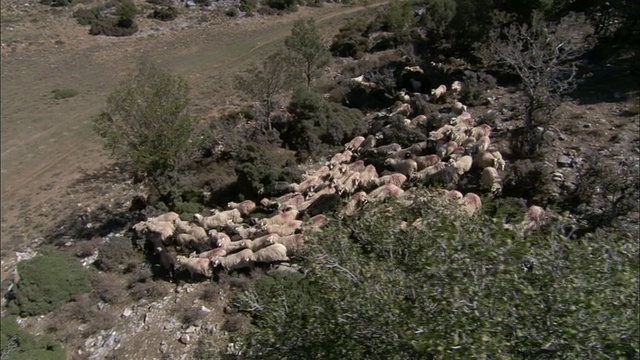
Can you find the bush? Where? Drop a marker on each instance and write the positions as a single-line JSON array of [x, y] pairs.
[[475, 87], [47, 281], [60, 94], [56, 3], [248, 6], [231, 12], [164, 14], [111, 26], [86, 16], [164, 3], [454, 288], [16, 343], [281, 4], [266, 11], [117, 256], [109, 288], [149, 290]]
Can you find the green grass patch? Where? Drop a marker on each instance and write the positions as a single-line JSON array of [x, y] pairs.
[[60, 94], [8, 20]]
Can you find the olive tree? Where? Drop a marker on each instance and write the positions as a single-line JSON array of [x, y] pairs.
[[146, 123], [309, 51]]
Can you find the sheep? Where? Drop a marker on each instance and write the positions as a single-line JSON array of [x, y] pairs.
[[166, 261], [211, 254], [338, 171], [426, 161], [354, 202], [237, 261], [354, 144], [240, 230], [235, 246], [294, 202], [218, 220], [273, 253], [443, 133], [463, 164], [280, 219], [420, 120], [445, 149], [387, 150], [456, 87], [396, 179], [383, 192], [533, 217], [283, 230], [245, 207], [357, 165], [453, 195], [368, 177], [322, 172], [489, 158], [291, 242], [184, 227], [195, 266], [469, 144], [438, 92], [483, 143], [166, 217], [401, 108], [471, 203], [369, 143], [316, 222], [310, 183], [348, 184], [490, 179], [184, 239], [458, 107], [163, 229], [480, 131], [426, 173], [405, 167], [414, 150], [262, 242], [340, 158]]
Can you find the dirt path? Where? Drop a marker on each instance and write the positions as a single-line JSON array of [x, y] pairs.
[[48, 144]]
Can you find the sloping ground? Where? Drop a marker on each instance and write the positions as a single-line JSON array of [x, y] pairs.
[[48, 144]]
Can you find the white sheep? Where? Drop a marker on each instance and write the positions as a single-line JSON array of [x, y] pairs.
[[357, 165], [340, 158], [383, 192], [457, 153], [483, 143], [184, 239], [453, 195], [166, 217], [237, 261], [283, 230], [294, 202], [463, 164], [387, 150], [309, 184], [218, 252], [354, 144], [291, 242], [404, 166], [396, 179], [458, 107], [245, 207], [195, 266], [369, 143], [471, 203], [443, 133], [489, 158], [368, 177], [316, 222], [219, 219], [533, 218], [242, 231], [490, 179], [185, 227], [355, 202], [456, 87], [220, 239], [401, 108], [419, 120], [445, 149], [424, 174], [281, 218], [163, 229], [426, 161], [348, 183], [480, 131], [273, 253], [438, 92], [322, 172], [262, 242]]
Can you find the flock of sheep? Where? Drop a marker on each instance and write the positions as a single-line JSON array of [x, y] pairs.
[[362, 173]]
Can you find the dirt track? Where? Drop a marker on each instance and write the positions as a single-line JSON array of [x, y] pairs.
[[48, 144]]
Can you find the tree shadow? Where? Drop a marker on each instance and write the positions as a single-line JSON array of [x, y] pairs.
[[607, 80]]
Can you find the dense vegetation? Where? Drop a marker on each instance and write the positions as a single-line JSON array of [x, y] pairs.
[[452, 288], [16, 344]]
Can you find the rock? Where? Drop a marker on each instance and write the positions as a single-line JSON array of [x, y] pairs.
[[101, 306], [127, 312], [163, 347], [184, 339], [205, 309], [191, 330], [586, 126], [564, 161], [557, 176]]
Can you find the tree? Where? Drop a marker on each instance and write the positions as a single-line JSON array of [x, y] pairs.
[[147, 125], [450, 288], [306, 44], [272, 77], [543, 56]]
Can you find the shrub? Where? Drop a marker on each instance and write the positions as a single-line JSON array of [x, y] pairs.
[[86, 16], [111, 26], [164, 14], [231, 12], [16, 343], [47, 281], [281, 4], [475, 88], [108, 287], [248, 6], [455, 288], [266, 11], [149, 290], [117, 256], [56, 3], [165, 3], [60, 94]]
